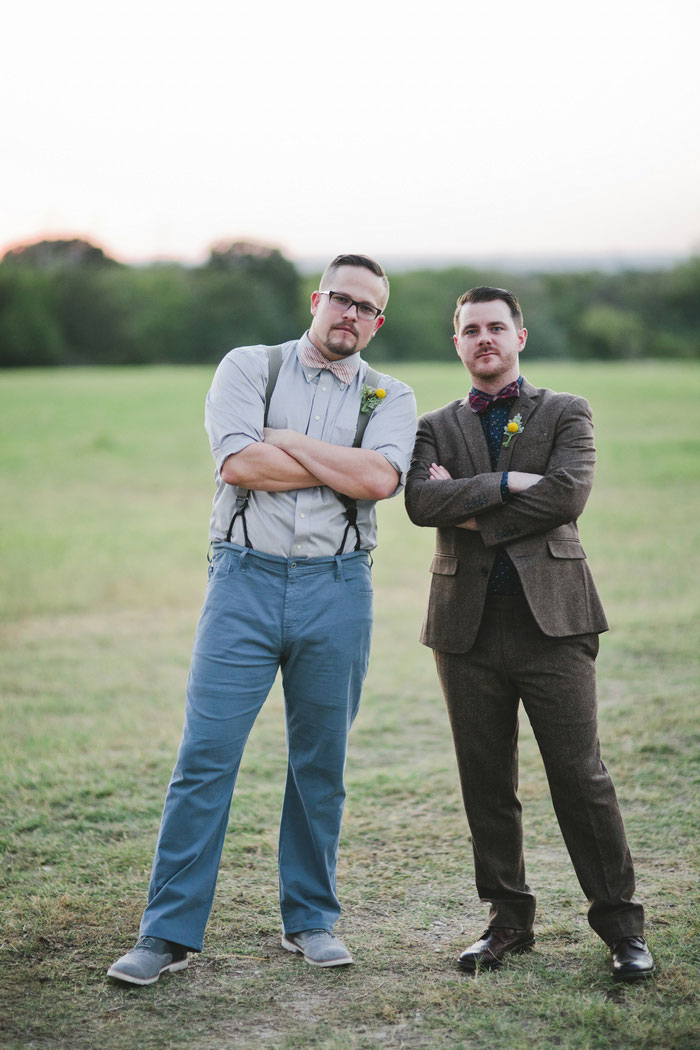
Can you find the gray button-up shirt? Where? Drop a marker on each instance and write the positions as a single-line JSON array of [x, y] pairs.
[[303, 523]]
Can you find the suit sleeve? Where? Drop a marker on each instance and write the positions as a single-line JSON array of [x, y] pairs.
[[445, 503], [561, 495]]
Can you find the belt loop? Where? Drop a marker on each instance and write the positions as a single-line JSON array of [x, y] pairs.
[[243, 554], [338, 569], [210, 548], [370, 559]]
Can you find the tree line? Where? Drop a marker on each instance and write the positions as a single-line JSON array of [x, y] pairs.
[[65, 302]]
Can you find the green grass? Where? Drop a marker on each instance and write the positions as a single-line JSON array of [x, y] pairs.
[[106, 482]]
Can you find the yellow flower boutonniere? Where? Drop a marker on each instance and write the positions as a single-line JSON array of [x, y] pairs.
[[370, 398], [512, 428]]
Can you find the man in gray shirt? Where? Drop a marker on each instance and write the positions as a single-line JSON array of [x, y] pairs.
[[306, 438]]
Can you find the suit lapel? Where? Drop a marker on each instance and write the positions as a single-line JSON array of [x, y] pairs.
[[524, 407], [470, 425]]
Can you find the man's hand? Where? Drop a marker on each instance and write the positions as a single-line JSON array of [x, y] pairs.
[[276, 437], [438, 473], [262, 467], [361, 473]]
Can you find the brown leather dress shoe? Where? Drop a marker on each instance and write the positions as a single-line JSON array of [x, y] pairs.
[[631, 960], [494, 943]]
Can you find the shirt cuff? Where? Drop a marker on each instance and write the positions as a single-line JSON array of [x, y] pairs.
[[230, 447]]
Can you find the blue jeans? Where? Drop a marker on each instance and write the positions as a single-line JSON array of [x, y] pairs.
[[312, 618]]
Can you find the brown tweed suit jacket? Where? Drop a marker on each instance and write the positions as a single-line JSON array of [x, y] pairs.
[[537, 527]]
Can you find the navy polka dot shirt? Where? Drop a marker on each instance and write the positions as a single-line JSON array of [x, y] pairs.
[[504, 577]]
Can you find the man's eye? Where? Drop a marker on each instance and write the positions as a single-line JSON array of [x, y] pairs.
[[342, 300]]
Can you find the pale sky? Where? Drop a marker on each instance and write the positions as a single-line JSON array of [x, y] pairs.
[[157, 128]]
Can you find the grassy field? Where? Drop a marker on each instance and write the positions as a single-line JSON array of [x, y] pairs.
[[106, 487]]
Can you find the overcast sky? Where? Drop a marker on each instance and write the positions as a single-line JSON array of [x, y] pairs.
[[156, 128]]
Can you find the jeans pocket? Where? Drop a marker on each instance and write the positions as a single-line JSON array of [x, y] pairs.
[[220, 564]]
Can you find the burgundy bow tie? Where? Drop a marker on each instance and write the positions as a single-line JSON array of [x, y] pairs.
[[480, 403]]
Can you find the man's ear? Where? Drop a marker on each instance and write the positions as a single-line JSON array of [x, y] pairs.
[[522, 339], [315, 300]]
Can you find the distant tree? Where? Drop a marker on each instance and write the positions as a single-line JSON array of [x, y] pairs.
[[66, 302], [259, 261], [91, 318], [49, 255], [682, 294], [671, 308], [240, 254], [246, 293], [608, 332], [157, 304], [421, 308], [29, 330], [63, 309]]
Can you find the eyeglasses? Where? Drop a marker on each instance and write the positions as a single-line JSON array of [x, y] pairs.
[[343, 302]]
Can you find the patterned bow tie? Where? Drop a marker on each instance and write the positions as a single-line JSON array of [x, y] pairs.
[[345, 370], [480, 402]]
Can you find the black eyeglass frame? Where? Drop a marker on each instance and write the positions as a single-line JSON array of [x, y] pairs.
[[353, 302]]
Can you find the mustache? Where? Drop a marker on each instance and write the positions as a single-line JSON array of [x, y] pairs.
[[344, 328]]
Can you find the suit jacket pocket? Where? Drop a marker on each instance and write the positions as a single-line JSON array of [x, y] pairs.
[[444, 564], [566, 549]]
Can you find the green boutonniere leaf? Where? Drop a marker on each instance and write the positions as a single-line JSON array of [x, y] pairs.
[[370, 398]]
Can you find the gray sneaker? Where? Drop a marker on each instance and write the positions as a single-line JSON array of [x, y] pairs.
[[319, 947], [147, 960]]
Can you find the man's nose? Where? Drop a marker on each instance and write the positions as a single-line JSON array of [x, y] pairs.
[[352, 306]]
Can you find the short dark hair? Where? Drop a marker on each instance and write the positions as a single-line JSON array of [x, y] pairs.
[[363, 261], [485, 294]]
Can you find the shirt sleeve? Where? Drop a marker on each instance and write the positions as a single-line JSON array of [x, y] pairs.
[[235, 405], [391, 429]]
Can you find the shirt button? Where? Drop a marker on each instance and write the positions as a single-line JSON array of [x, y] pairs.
[[302, 515], [317, 417], [324, 388], [298, 546]]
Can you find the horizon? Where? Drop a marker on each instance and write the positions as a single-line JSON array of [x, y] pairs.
[[521, 263]]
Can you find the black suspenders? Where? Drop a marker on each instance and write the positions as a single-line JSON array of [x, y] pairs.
[[274, 354]]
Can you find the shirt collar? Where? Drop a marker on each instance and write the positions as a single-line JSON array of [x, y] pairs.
[[310, 357]]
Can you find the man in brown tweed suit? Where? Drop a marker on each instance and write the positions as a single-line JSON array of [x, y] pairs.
[[514, 616]]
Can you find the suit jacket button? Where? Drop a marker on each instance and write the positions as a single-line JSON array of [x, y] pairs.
[[484, 571]]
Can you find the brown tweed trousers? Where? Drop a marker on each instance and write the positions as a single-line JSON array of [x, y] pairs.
[[492, 652]]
